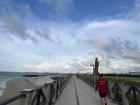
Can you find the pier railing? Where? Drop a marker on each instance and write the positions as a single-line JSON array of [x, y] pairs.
[[43, 95], [121, 93]]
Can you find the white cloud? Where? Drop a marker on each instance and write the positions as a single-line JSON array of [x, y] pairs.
[[47, 67], [107, 24], [95, 40], [13, 26], [43, 66], [98, 36], [89, 33]]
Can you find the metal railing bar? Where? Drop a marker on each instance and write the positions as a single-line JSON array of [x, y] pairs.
[[10, 100]]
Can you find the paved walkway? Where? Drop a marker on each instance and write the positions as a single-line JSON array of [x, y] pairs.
[[78, 92]]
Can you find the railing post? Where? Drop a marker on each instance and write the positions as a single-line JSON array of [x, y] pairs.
[[134, 95], [134, 92], [29, 94], [117, 91], [23, 101], [110, 86], [38, 98], [123, 92], [47, 92], [51, 93], [57, 89], [94, 82]]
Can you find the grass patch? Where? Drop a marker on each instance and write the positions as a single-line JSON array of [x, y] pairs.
[[127, 80], [132, 81], [137, 100]]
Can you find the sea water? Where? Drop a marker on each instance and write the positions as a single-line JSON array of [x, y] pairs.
[[5, 76]]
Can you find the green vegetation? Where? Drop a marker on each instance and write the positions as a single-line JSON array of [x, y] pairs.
[[137, 100], [124, 79], [127, 79], [56, 78], [123, 75]]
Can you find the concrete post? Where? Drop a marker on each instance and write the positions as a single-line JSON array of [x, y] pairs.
[[123, 91], [94, 82], [110, 86], [45, 89], [28, 99], [48, 93], [22, 101]]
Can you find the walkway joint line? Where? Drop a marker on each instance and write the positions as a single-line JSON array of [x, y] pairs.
[[77, 99]]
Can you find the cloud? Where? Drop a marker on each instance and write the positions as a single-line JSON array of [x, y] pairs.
[[47, 67], [42, 66], [101, 37], [95, 40], [124, 66], [116, 45], [46, 34], [114, 53], [60, 6], [74, 65], [89, 33], [11, 22], [124, 52], [13, 26], [124, 49], [134, 13]]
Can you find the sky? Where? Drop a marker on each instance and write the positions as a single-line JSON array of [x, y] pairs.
[[67, 35]]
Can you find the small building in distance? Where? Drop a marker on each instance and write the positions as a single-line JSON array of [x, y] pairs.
[[134, 73]]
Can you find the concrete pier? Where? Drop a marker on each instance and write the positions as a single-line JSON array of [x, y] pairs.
[[78, 92]]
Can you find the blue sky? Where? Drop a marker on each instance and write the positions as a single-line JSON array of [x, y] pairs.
[[67, 35]]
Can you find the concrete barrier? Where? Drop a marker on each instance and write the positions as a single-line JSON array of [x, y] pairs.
[[37, 90], [118, 92]]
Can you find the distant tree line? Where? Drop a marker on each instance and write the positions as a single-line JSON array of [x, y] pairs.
[[122, 75]]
